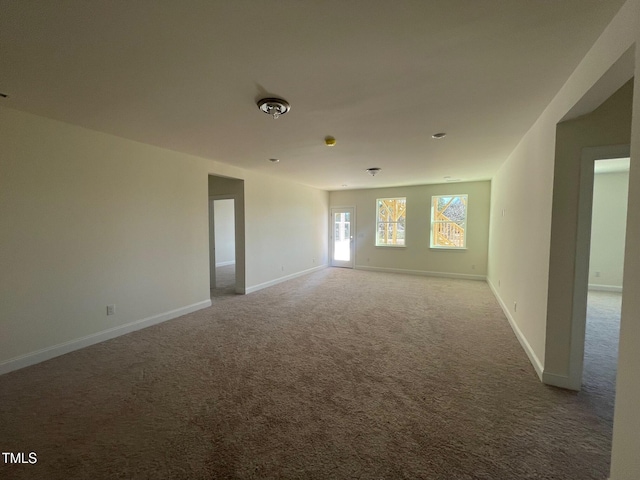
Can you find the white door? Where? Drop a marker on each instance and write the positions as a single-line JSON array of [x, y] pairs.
[[342, 237]]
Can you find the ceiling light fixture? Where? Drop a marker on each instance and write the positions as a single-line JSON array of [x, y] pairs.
[[329, 141], [438, 136], [274, 106], [274, 160], [373, 170]]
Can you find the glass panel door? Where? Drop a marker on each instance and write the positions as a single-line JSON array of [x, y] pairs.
[[342, 244]]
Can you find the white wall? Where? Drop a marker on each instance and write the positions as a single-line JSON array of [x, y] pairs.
[[625, 461], [225, 237], [286, 229], [90, 219], [416, 256], [520, 241], [608, 229]]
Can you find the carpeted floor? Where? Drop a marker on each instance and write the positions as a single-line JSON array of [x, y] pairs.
[[335, 375], [225, 281], [601, 350]]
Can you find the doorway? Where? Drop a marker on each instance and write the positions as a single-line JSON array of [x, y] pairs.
[[591, 261], [341, 229], [604, 298], [226, 236], [601, 134], [222, 250]]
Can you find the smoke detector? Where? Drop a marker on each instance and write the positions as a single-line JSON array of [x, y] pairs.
[[329, 141], [274, 106]]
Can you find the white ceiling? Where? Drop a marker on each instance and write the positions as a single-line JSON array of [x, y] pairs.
[[381, 77]]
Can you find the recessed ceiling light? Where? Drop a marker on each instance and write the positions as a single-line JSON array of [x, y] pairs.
[[274, 160], [438, 136]]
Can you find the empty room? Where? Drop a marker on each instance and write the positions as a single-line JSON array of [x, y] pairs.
[[319, 239]]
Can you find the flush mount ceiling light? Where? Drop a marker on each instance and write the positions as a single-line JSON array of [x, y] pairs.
[[274, 106], [274, 160], [438, 136], [372, 171]]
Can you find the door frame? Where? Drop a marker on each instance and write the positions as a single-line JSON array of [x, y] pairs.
[[352, 230], [583, 248], [212, 237]]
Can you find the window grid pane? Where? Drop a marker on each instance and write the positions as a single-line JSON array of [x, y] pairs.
[[449, 221], [390, 221]]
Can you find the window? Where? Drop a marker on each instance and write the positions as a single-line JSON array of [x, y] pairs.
[[449, 221], [390, 222]]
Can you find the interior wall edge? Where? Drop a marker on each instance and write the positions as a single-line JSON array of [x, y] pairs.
[[533, 358], [53, 351], [224, 264], [270, 283], [424, 273], [605, 288], [561, 381]]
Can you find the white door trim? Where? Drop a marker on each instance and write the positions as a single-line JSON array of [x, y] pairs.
[[583, 245]]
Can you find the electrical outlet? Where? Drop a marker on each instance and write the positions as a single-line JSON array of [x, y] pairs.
[[473, 267], [515, 306], [111, 309], [597, 274]]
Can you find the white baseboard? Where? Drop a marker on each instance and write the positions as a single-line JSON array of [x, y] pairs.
[[424, 273], [533, 358], [224, 264], [605, 288], [556, 380], [276, 281], [56, 350]]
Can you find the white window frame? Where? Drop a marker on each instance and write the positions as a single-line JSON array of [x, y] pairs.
[[434, 222], [378, 222]]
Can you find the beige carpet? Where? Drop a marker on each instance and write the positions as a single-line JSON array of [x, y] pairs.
[[225, 281], [336, 375], [601, 350]]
